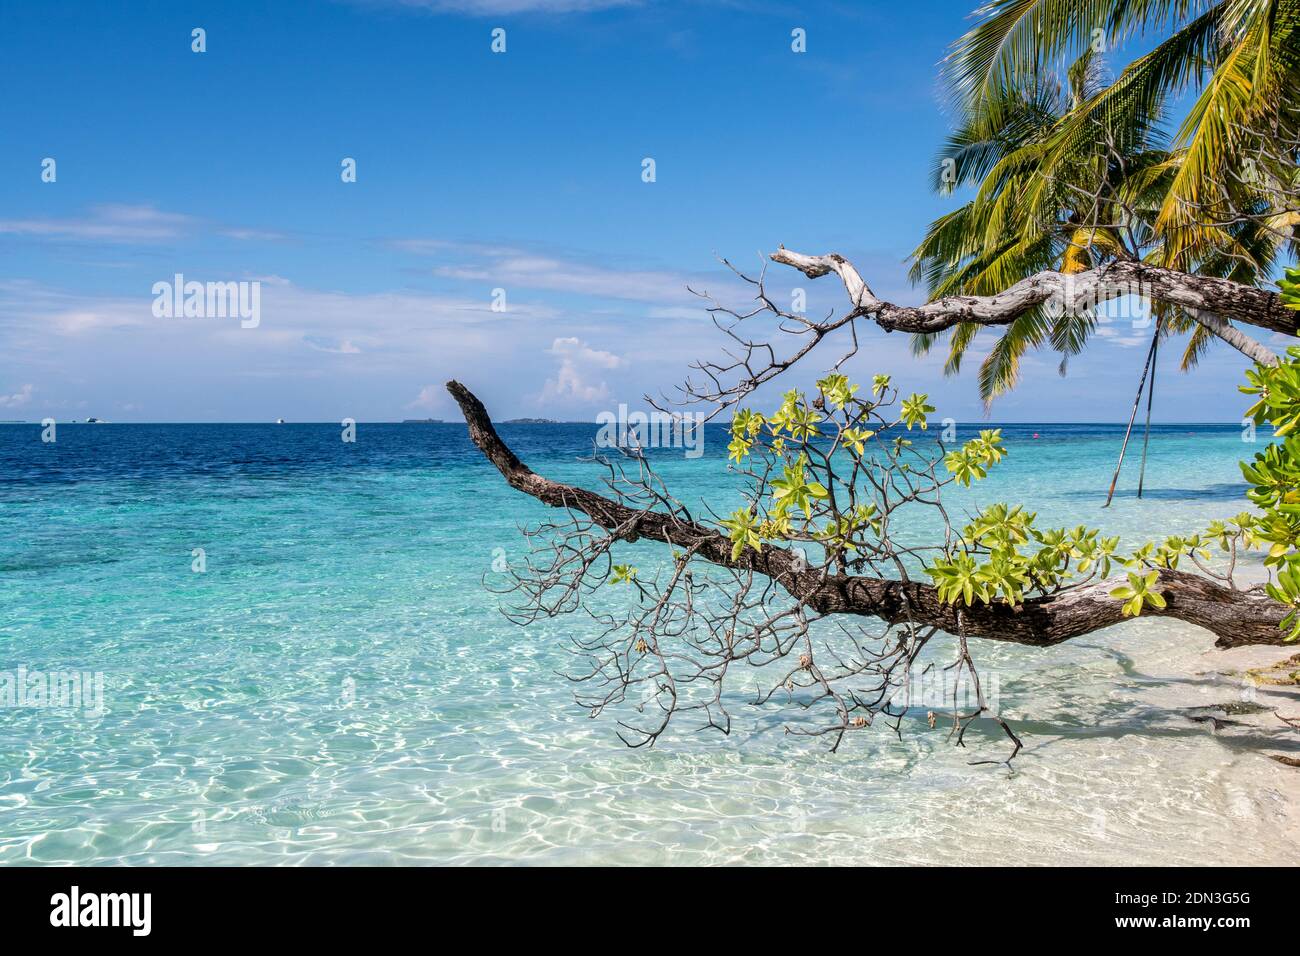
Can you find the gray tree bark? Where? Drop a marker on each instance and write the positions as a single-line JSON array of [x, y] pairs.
[[1210, 301]]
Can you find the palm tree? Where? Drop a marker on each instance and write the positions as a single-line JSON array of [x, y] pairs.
[[1024, 219], [1239, 57], [1070, 175]]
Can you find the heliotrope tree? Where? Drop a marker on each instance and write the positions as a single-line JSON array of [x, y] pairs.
[[820, 581]]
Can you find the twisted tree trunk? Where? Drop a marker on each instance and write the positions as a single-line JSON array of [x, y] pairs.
[[1235, 617], [1210, 301]]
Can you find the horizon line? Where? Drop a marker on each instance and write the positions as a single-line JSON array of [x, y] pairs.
[[505, 421]]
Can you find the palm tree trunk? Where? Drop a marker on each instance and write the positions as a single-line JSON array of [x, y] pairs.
[[1133, 416], [1151, 394]]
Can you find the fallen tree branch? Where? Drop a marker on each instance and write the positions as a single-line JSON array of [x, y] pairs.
[[1235, 617], [1210, 301]]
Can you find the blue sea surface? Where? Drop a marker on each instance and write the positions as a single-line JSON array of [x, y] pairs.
[[338, 686]]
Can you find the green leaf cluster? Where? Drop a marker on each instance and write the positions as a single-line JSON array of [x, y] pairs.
[[1139, 591], [1290, 288], [1002, 555], [972, 461]]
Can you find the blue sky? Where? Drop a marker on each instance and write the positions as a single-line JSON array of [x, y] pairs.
[[475, 171]]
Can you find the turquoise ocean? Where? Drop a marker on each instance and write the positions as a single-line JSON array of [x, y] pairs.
[[337, 686]]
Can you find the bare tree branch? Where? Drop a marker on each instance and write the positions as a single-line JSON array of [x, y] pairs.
[[1211, 301], [1234, 616]]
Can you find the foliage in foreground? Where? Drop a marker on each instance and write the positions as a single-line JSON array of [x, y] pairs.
[[824, 451]]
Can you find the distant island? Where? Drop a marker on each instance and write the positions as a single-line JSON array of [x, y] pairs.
[[530, 421], [421, 421]]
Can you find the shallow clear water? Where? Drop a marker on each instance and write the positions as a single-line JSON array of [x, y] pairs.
[[337, 687]]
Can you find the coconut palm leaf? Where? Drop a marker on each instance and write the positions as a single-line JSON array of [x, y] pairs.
[[1069, 174]]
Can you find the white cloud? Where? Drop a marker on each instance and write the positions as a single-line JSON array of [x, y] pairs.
[[579, 363], [558, 275], [574, 349], [253, 235], [126, 223], [109, 222], [18, 398], [1116, 337], [512, 267], [41, 310], [338, 347], [430, 397], [319, 319], [368, 352]]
